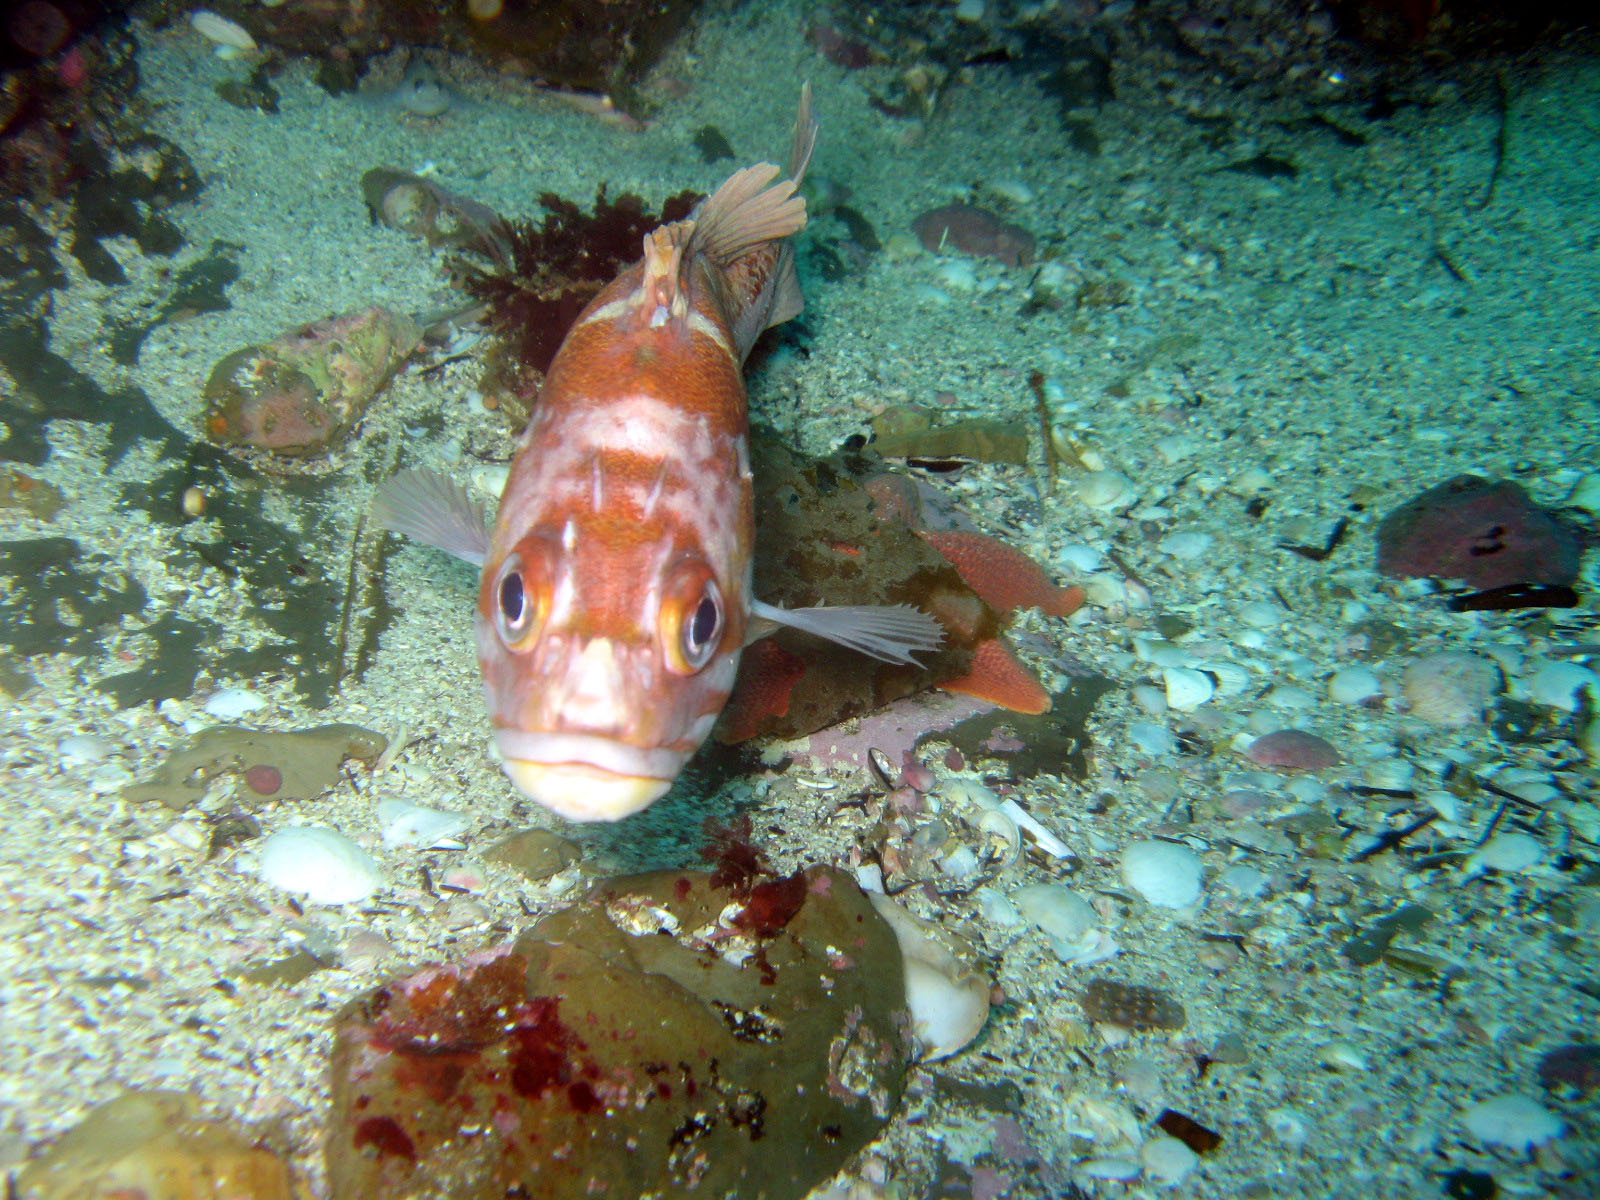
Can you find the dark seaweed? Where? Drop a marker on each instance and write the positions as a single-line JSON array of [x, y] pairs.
[[546, 271]]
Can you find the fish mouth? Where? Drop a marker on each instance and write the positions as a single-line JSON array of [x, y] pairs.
[[586, 778]]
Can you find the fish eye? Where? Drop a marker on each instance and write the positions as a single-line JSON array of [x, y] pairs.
[[519, 603], [513, 600], [693, 618], [700, 631]]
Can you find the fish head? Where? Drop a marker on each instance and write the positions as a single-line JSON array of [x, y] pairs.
[[607, 655]]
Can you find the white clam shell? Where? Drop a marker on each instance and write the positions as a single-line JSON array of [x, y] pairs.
[[1187, 689]]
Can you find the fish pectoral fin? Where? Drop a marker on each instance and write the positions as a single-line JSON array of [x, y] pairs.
[[433, 509], [894, 633]]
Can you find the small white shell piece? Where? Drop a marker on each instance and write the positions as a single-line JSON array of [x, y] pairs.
[[228, 35], [1187, 689]]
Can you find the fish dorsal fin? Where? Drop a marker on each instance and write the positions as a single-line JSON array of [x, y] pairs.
[[745, 212], [665, 298]]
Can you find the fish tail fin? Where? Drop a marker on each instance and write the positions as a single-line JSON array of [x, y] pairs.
[[805, 137], [749, 210]]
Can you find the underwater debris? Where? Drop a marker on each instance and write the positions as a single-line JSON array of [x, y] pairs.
[[272, 764], [300, 393], [635, 1042], [912, 434], [420, 207], [23, 493], [153, 1145], [1488, 532], [543, 275]]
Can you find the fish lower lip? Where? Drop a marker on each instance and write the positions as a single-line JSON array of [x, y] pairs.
[[580, 792], [584, 777]]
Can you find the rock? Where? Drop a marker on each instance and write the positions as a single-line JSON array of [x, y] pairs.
[[152, 1146], [301, 393], [664, 1034], [1487, 532]]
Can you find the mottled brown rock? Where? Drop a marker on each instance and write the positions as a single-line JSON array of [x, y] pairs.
[[301, 393], [663, 1036]]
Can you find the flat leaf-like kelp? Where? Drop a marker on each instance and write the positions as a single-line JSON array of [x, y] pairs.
[[275, 764]]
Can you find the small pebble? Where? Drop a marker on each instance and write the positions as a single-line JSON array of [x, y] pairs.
[[1164, 873], [1154, 740], [1123, 1170], [1057, 911], [1105, 489], [319, 863], [77, 749], [1186, 547], [1259, 614], [1293, 750], [1516, 1122], [1082, 558], [405, 824], [1167, 1160]]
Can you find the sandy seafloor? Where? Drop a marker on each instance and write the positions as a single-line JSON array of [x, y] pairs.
[[1333, 366]]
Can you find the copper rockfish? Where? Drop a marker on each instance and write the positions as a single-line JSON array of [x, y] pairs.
[[616, 596]]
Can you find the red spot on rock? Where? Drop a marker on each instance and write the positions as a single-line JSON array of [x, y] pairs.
[[1487, 532], [976, 231], [1293, 750], [263, 779], [385, 1135], [542, 1049]]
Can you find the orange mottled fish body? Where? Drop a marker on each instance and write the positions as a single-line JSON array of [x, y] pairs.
[[615, 595]]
